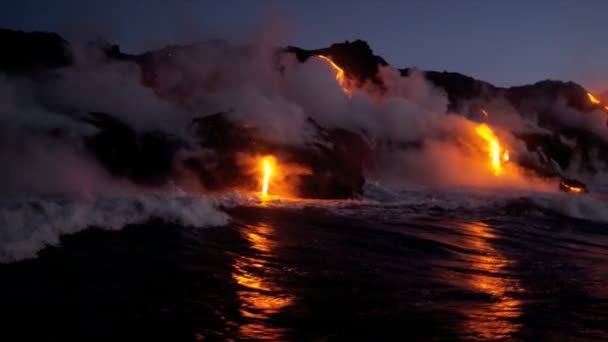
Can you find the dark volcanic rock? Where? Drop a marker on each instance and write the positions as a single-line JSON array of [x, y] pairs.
[[356, 58], [459, 88], [549, 146], [223, 139], [573, 95], [336, 162], [146, 158], [29, 52], [337, 170]]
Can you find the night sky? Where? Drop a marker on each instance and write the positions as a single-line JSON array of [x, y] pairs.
[[503, 42]]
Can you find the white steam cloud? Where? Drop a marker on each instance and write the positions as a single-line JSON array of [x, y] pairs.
[[414, 136]]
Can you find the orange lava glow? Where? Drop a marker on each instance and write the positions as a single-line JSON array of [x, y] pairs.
[[498, 320], [606, 107], [266, 166], [271, 178], [572, 188], [340, 76], [593, 99], [498, 155], [259, 294]]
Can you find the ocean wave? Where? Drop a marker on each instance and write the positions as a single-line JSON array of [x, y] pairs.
[[584, 207], [472, 201], [29, 224], [431, 201]]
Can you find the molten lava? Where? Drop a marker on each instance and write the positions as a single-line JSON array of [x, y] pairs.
[[340, 76], [498, 155], [571, 188], [593, 99], [267, 172]]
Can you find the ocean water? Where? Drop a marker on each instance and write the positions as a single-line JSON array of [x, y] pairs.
[[417, 264]]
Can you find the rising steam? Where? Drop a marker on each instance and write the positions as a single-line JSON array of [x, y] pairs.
[[415, 138]]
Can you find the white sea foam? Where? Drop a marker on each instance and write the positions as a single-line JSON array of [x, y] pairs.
[[29, 224], [427, 200], [586, 207], [592, 207]]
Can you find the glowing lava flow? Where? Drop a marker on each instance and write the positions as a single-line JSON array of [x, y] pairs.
[[571, 188], [593, 99], [340, 76], [267, 173], [497, 155]]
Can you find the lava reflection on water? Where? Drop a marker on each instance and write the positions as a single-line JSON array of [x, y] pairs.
[[259, 295], [495, 320]]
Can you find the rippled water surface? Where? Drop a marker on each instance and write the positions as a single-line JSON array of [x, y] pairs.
[[343, 271]]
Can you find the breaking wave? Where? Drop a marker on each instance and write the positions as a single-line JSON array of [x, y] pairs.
[[590, 207], [578, 207], [462, 203], [29, 224], [453, 202]]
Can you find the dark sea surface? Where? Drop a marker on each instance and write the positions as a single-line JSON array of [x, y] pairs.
[[426, 269]]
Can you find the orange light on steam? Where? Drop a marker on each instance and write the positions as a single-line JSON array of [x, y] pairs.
[[593, 99], [340, 76], [495, 151]]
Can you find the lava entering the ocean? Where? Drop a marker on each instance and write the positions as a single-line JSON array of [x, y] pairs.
[[498, 155], [266, 166], [272, 177]]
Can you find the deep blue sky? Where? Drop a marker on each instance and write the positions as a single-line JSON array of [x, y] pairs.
[[504, 42]]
